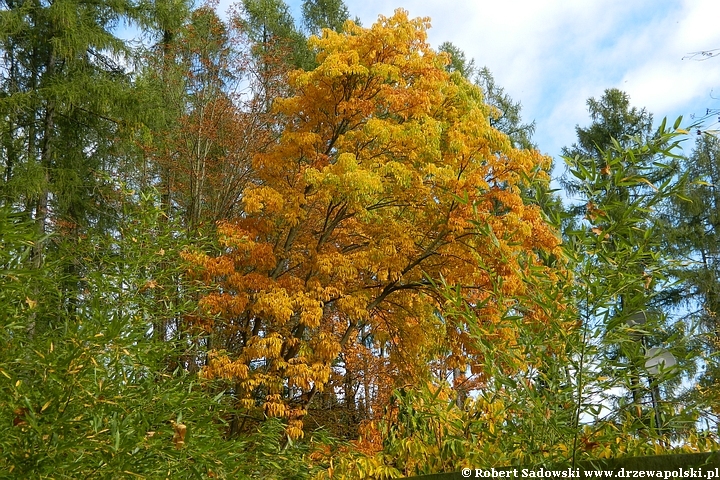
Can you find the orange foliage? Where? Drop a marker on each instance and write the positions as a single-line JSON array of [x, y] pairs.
[[386, 178], [217, 93]]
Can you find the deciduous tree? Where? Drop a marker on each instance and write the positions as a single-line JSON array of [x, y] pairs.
[[387, 178], [209, 118]]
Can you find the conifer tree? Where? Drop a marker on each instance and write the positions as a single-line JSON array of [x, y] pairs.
[[272, 29], [320, 14], [63, 94], [65, 101], [620, 174], [692, 233]]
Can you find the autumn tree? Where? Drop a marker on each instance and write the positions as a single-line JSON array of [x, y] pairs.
[[320, 14], [386, 179], [208, 118], [506, 116]]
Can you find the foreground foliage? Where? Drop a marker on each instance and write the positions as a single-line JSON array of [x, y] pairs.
[[89, 393]]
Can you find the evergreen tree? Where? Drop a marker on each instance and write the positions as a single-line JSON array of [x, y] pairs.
[[506, 114], [320, 14], [65, 100], [695, 229], [65, 97], [272, 29], [615, 125], [507, 117], [458, 60], [612, 118], [620, 174], [693, 234]]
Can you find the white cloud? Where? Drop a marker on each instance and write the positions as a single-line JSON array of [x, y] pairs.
[[552, 55]]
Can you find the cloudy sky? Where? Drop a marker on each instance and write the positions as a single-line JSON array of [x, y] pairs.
[[552, 55]]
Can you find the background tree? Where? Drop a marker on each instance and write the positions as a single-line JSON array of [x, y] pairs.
[[691, 234], [507, 119], [320, 14], [67, 110], [507, 115], [617, 189], [208, 120], [272, 30], [458, 61], [612, 120], [65, 96]]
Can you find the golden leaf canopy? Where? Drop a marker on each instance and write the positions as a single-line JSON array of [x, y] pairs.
[[385, 180]]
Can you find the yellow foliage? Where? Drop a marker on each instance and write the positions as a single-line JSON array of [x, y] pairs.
[[386, 173]]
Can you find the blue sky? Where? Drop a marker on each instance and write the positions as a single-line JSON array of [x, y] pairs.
[[552, 55]]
